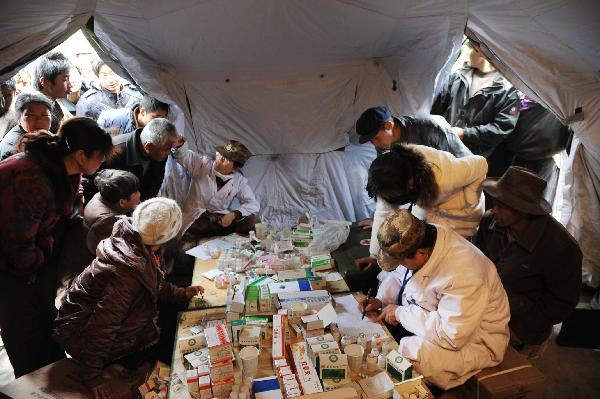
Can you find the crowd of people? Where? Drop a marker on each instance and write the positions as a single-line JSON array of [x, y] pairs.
[[88, 246]]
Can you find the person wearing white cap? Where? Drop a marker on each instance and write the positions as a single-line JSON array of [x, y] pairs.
[[110, 310]]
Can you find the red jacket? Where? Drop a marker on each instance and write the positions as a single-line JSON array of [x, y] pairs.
[[35, 194], [110, 309]]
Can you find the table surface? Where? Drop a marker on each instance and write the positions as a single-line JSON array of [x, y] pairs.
[[215, 297], [193, 317]]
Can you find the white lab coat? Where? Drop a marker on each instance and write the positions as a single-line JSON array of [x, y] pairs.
[[457, 308], [460, 204], [203, 195]]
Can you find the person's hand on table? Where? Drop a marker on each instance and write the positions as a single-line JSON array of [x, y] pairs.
[[194, 290], [366, 224], [369, 305], [365, 264], [227, 219], [388, 314]]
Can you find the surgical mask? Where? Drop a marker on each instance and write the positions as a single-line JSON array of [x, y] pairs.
[[223, 177]]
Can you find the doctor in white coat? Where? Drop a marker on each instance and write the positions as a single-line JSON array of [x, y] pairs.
[[446, 295], [215, 183], [444, 189]]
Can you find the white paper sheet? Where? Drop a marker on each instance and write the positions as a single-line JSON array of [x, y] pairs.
[[204, 250], [212, 274], [349, 319], [335, 276]]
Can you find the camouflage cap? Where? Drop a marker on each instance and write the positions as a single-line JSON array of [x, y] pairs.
[[399, 235], [235, 151]]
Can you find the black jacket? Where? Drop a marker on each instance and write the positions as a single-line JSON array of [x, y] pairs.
[[429, 131], [487, 117], [96, 100], [129, 157]]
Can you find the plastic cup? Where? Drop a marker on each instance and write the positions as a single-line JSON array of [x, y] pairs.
[[249, 357], [354, 352], [261, 231]]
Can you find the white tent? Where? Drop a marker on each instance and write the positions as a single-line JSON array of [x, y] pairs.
[[289, 78]]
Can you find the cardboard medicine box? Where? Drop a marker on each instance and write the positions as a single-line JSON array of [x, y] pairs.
[[218, 342], [333, 366], [398, 366], [515, 377]]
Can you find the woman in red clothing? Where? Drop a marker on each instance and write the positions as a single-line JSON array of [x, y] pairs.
[[38, 188]]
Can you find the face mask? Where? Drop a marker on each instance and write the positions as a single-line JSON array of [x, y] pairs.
[[222, 176]]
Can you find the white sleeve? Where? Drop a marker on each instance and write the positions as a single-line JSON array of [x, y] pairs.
[[458, 315], [389, 288], [248, 203], [197, 165], [382, 209], [464, 174]]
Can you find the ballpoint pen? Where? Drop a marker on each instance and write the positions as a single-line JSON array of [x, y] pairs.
[[368, 298]]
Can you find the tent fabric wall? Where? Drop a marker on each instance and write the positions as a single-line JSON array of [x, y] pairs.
[[550, 50], [291, 77]]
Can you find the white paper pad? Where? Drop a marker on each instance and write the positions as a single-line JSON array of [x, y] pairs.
[[211, 274], [200, 251], [349, 318], [335, 276]]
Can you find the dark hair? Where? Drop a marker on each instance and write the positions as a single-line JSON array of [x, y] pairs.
[[78, 133], [151, 104], [27, 98], [116, 184], [390, 174], [10, 83], [428, 240], [49, 67], [97, 64]]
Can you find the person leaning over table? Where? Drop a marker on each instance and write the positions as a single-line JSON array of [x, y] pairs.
[[39, 190], [446, 296], [445, 190], [109, 313]]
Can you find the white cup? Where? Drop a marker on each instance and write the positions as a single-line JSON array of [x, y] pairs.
[[261, 231], [354, 352], [249, 357]]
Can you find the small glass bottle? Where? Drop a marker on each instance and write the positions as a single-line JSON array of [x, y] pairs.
[[376, 341], [346, 340], [386, 347], [362, 340], [381, 361], [372, 360]]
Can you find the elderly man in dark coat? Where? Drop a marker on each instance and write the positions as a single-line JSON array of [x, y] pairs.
[[539, 262]]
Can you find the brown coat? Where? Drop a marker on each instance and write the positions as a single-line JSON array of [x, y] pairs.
[[99, 217], [540, 271], [111, 307]]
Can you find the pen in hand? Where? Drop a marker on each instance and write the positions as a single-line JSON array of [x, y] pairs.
[[369, 293]]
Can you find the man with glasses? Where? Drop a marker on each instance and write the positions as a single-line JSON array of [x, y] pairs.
[[537, 259], [112, 93]]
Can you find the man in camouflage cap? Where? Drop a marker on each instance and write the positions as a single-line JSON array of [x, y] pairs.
[[447, 297]]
